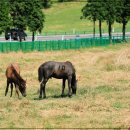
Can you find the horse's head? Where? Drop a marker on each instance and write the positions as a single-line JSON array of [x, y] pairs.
[[22, 88], [74, 87]]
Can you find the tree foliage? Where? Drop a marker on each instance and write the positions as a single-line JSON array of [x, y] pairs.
[[123, 14], [27, 14], [110, 15], [5, 20], [94, 10], [35, 16], [90, 11], [18, 14], [101, 10]]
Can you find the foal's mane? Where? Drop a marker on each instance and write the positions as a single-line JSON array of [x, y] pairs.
[[17, 74]]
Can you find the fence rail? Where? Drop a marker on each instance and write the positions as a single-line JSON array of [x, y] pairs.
[[57, 45]]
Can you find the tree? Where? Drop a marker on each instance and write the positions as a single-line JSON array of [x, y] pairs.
[[100, 14], [18, 13], [35, 17], [4, 16], [101, 10], [35, 22], [110, 15], [27, 14], [94, 10], [90, 11], [123, 14]]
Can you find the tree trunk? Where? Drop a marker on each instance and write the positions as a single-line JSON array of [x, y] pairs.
[[20, 39], [100, 28], [93, 28], [33, 36], [110, 31], [123, 31], [20, 35]]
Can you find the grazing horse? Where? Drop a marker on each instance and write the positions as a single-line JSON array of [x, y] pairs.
[[59, 70], [13, 77]]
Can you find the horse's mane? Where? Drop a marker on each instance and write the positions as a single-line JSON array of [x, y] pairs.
[[74, 72], [17, 75], [68, 62]]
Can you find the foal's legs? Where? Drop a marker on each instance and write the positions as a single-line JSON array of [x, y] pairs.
[[63, 87], [69, 86], [7, 88], [11, 89], [42, 88], [17, 90]]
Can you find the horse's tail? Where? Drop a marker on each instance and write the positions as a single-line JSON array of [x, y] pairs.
[[40, 74]]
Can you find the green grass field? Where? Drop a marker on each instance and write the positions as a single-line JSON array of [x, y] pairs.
[[103, 95], [65, 17]]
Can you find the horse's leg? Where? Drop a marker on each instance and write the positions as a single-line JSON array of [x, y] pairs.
[[69, 86], [11, 89], [7, 87], [44, 91], [63, 87], [42, 88], [40, 96], [17, 90]]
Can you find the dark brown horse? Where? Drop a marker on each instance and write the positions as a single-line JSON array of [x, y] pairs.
[[13, 77], [59, 70]]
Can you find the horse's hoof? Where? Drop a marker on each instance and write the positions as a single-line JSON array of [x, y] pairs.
[[70, 96], [36, 98], [40, 97], [44, 97], [62, 95]]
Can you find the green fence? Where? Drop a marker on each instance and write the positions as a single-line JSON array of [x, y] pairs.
[[57, 45]]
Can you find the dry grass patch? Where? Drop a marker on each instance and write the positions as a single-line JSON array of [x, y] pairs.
[[102, 100]]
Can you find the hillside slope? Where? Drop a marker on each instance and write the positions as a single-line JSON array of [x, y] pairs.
[[65, 17]]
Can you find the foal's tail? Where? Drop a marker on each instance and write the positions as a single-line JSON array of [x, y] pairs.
[[40, 74]]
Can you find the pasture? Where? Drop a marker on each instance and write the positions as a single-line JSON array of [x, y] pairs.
[[65, 17], [103, 93]]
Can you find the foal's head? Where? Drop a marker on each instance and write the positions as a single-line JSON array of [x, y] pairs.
[[22, 88]]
